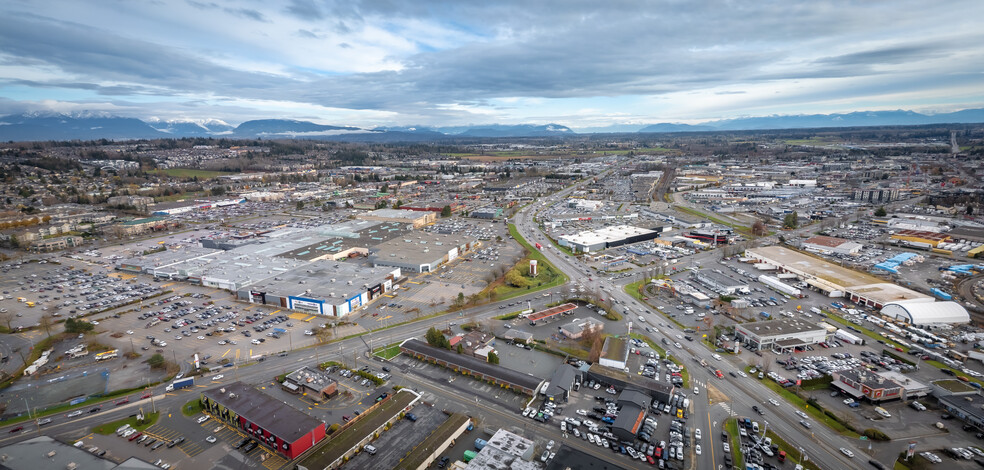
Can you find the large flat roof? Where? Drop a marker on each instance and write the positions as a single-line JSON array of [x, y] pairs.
[[263, 410], [781, 326], [608, 234], [499, 372], [816, 267], [326, 280], [418, 247], [885, 292]]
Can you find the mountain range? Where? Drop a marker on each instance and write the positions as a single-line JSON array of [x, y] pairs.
[[90, 126]]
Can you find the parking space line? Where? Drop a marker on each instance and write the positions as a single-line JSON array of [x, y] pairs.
[[227, 352], [310, 318]]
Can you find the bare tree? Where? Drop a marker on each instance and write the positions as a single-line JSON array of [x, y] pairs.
[[7, 318]]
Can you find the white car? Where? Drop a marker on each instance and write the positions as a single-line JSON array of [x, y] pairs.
[[74, 414], [210, 439], [774, 401], [201, 337], [696, 391], [697, 449], [697, 434], [744, 375], [801, 414], [202, 419], [582, 412], [129, 332], [847, 452], [218, 377]]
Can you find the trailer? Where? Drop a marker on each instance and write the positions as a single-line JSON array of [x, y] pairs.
[[778, 285], [976, 355], [939, 294], [848, 337], [765, 267], [180, 383]]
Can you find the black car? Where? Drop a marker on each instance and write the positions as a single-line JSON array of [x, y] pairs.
[[443, 462], [252, 445], [243, 442]]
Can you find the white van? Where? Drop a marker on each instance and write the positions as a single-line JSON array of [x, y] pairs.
[[370, 449]]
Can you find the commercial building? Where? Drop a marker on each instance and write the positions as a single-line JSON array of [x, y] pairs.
[[311, 382], [45, 453], [831, 245], [862, 383], [781, 335], [578, 328], [415, 218], [322, 288], [139, 226], [488, 212], [634, 405], [561, 383], [968, 407], [420, 252], [659, 391], [607, 237], [926, 312], [719, 282], [472, 366], [279, 427], [58, 243], [882, 293]]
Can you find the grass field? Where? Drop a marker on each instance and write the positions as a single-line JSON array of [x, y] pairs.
[[111, 427], [740, 228], [191, 173], [387, 352], [732, 427], [192, 408], [548, 277]]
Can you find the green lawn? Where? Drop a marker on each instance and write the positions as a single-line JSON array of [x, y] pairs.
[[111, 427], [387, 352], [192, 172], [548, 275], [792, 453], [192, 408], [740, 228]]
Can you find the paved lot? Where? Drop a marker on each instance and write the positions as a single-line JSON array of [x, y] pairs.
[[396, 443]]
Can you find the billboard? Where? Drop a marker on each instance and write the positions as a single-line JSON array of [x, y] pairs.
[[355, 302], [375, 290]]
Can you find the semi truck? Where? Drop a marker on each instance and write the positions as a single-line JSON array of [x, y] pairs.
[[180, 383]]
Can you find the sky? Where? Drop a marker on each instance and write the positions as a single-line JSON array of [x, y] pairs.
[[460, 62]]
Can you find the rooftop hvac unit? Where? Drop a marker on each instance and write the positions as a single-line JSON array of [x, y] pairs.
[[332, 279], [350, 283]]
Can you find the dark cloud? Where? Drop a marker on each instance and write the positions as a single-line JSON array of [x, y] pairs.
[[887, 56], [305, 10], [247, 13]]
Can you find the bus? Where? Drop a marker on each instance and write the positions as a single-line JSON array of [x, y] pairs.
[[107, 354]]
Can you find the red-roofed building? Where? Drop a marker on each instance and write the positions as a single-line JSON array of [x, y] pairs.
[[551, 313]]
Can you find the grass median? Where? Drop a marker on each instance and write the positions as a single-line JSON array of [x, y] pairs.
[[111, 427]]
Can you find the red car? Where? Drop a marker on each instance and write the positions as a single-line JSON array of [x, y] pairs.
[[146, 396], [719, 374], [18, 428], [123, 402], [135, 436]]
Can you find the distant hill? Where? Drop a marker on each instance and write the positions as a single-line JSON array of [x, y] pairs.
[[803, 121], [192, 128], [287, 128], [75, 126]]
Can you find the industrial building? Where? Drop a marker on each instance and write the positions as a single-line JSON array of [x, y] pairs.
[[926, 312], [607, 237], [472, 366], [781, 335], [415, 218], [862, 383], [420, 252], [45, 453], [719, 282], [272, 423], [968, 407], [831, 245], [882, 293]]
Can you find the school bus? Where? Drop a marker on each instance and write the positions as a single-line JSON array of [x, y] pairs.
[[30, 304]]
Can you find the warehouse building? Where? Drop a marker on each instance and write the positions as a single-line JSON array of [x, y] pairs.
[[607, 237], [415, 218], [488, 212], [881, 294], [782, 335], [420, 252], [628, 423], [831, 245], [272, 423], [968, 407], [926, 312], [561, 383], [614, 353], [719, 282]]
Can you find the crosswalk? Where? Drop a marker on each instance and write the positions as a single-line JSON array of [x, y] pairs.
[[727, 407]]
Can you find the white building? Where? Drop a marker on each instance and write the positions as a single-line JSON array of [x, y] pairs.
[[926, 312], [780, 335]]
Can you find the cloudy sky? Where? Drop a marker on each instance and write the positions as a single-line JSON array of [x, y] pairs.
[[459, 62]]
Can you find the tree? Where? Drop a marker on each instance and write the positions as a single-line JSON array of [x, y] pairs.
[[881, 212], [7, 318], [759, 229], [446, 211], [459, 301], [436, 338], [516, 279], [493, 358], [791, 220], [460, 348], [77, 326], [156, 361]]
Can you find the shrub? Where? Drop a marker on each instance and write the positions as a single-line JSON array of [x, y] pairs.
[[876, 435]]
